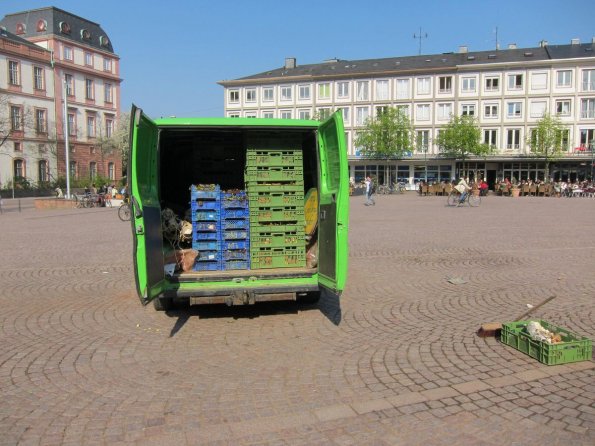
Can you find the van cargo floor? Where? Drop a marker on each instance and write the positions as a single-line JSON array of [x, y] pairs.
[[273, 273]]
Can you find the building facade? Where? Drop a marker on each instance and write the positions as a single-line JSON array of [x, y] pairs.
[[508, 91], [82, 69]]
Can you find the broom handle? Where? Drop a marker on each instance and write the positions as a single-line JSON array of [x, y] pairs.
[[522, 316]]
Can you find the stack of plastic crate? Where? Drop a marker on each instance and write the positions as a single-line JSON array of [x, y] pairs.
[[235, 241], [205, 205], [275, 182]]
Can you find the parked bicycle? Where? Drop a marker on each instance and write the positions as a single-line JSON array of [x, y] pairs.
[[454, 199], [124, 210], [395, 188]]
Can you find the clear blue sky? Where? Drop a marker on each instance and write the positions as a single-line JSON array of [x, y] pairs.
[[174, 51]]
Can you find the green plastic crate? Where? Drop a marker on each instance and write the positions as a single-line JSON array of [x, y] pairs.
[[277, 226], [270, 174], [573, 348], [275, 199], [276, 239], [282, 214], [263, 157], [292, 186], [288, 257]]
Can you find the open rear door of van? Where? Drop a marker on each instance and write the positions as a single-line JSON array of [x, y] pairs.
[[333, 219], [145, 207]]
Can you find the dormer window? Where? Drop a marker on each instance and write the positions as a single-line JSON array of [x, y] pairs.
[[64, 28], [21, 29], [103, 41], [42, 25], [85, 34]]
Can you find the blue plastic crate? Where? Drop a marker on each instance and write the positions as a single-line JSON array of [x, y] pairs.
[[207, 215], [205, 226], [235, 235], [197, 194], [230, 200], [207, 266], [235, 244], [236, 254], [209, 256], [235, 213], [235, 224], [235, 264], [207, 245], [199, 205], [202, 236]]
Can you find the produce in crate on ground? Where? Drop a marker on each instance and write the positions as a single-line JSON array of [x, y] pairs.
[[539, 333]]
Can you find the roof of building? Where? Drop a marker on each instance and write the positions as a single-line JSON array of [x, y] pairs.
[[434, 62], [52, 20], [4, 34]]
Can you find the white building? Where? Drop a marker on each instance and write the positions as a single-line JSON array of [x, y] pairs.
[[507, 90]]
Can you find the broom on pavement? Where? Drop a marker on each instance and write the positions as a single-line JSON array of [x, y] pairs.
[[493, 329]]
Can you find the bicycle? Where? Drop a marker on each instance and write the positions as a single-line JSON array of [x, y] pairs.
[[124, 210], [454, 199]]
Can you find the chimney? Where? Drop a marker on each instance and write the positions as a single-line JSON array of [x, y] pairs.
[[463, 49], [592, 40], [575, 42], [512, 46], [543, 44], [290, 62]]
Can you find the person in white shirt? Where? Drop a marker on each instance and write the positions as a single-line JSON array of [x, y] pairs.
[[463, 189]]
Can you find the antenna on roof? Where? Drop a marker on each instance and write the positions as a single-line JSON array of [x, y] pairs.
[[420, 36], [497, 43]]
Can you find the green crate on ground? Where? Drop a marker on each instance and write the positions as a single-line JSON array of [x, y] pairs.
[[264, 157], [282, 214], [275, 199], [277, 226], [276, 239], [288, 257], [573, 348], [256, 187], [270, 174]]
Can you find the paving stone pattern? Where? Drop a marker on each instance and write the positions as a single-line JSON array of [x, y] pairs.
[[394, 361]]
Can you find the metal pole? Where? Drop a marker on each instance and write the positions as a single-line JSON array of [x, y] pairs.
[[66, 146]]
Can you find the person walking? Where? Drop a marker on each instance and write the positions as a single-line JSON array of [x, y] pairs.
[[370, 189]]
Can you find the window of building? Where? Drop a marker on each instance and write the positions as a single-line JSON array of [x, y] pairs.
[[468, 110], [41, 121], [423, 85], [90, 126], [268, 114], [17, 147], [422, 112], [324, 91], [89, 89], [565, 139], [234, 96], [587, 137], [538, 109], [88, 59], [268, 94], [490, 111], [588, 80], [563, 107], [67, 53], [342, 90], [564, 78], [16, 118], [286, 114], [304, 114], [361, 115], [18, 168], [402, 88], [69, 80], [43, 171], [587, 108], [250, 94], [445, 84], [92, 170], [107, 93], [513, 139], [363, 93], [38, 78], [422, 141], [251, 114], [111, 171], [381, 110], [346, 115], [490, 137], [109, 127], [468, 85], [71, 124], [324, 113], [492, 83], [233, 114], [404, 109], [382, 90], [286, 93], [538, 81], [515, 81], [73, 170], [444, 111], [107, 64], [514, 110], [304, 92], [14, 75]]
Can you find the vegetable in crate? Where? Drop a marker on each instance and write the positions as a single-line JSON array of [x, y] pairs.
[[539, 333]]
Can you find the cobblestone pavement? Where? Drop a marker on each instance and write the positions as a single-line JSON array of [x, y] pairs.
[[395, 361]]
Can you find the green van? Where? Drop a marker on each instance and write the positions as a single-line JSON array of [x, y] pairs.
[[169, 155]]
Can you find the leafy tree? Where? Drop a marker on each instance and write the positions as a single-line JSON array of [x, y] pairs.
[[461, 138], [387, 136], [547, 140]]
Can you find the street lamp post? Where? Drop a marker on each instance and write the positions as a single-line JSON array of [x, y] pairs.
[[592, 147], [66, 147]]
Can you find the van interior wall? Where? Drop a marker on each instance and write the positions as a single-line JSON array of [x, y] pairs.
[[218, 156]]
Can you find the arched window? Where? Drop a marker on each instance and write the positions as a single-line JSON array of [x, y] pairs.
[[19, 168], [92, 170], [44, 171], [111, 171]]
